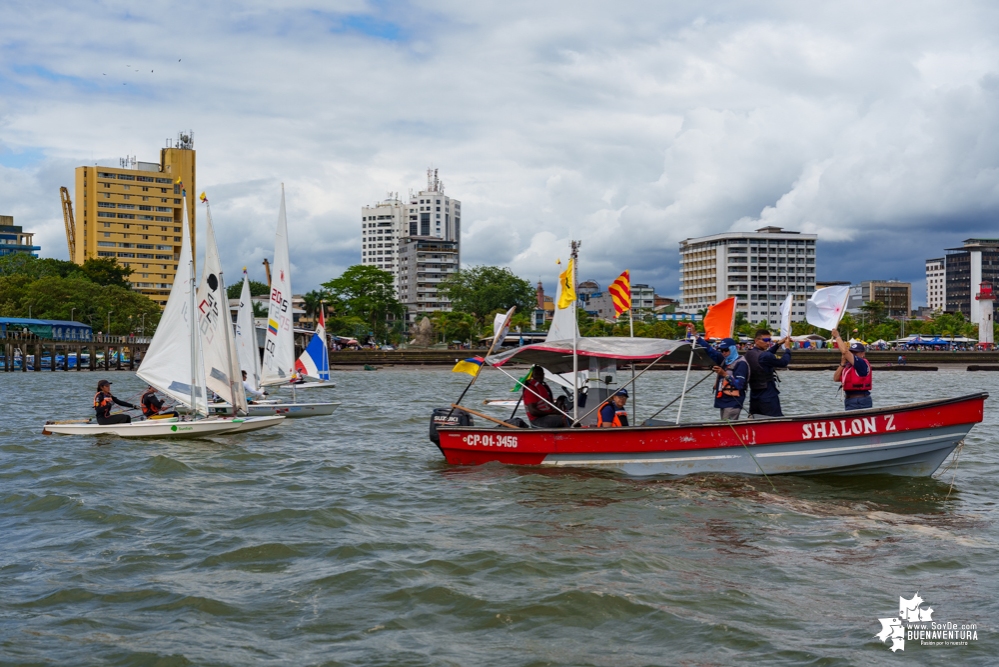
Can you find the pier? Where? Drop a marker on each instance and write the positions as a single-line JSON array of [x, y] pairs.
[[23, 350]]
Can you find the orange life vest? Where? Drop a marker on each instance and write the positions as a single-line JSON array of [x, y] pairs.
[[148, 407], [618, 413]]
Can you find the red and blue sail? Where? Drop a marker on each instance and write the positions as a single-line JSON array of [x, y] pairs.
[[314, 362]]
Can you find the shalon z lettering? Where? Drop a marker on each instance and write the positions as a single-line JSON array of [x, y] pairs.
[[837, 428]]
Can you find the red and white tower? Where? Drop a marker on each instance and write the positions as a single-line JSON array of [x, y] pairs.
[[986, 298]]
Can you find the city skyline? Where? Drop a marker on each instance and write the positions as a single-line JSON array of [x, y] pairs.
[[630, 128]]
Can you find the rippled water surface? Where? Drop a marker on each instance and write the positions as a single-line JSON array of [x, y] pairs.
[[348, 540]]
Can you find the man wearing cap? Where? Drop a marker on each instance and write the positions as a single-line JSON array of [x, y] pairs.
[[104, 401], [612, 412], [764, 397], [854, 373], [732, 370]]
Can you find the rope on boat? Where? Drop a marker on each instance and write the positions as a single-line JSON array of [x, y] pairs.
[[957, 458], [750, 454]]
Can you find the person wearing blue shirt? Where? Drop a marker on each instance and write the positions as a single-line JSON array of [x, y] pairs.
[[612, 412], [764, 397], [732, 370]]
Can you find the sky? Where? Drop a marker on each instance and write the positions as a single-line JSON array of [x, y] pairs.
[[629, 126]]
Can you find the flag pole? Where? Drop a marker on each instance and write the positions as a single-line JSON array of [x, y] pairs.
[[574, 246], [475, 377], [631, 325], [686, 378]]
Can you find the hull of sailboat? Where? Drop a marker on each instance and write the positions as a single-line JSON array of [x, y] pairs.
[[290, 410], [247, 424], [911, 440], [152, 428], [309, 385]]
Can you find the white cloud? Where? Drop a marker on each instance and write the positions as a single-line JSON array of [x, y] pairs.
[[629, 126]]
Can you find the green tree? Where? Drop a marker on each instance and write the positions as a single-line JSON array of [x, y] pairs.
[[106, 271], [366, 292], [454, 326], [314, 300], [483, 289], [256, 289]]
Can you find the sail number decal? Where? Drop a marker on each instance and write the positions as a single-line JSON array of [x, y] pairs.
[[487, 440], [838, 428]]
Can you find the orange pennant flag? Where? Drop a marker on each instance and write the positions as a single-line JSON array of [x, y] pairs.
[[720, 319]]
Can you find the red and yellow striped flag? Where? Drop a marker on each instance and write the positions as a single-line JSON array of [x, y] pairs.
[[620, 291]]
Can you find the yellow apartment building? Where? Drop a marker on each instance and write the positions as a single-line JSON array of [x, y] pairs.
[[133, 213]]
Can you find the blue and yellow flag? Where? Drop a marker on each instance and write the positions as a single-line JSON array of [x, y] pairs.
[[471, 366]]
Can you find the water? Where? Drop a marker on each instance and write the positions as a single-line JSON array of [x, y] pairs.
[[348, 541]]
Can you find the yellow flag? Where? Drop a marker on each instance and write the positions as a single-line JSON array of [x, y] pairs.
[[568, 287]]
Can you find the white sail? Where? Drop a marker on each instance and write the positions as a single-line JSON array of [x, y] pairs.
[[169, 364], [217, 339], [279, 346], [563, 321], [246, 337]]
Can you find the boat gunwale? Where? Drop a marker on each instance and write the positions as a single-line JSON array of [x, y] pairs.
[[984, 395]]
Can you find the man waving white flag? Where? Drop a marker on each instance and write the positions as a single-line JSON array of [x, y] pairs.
[[825, 308]]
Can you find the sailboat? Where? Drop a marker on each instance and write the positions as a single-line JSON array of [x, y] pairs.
[[246, 337], [279, 362], [314, 362], [175, 362]]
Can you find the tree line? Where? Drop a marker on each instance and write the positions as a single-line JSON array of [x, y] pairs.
[[53, 289]]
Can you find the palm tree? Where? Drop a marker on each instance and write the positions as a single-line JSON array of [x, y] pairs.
[[313, 301]]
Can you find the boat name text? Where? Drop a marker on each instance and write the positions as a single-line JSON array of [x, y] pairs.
[[837, 428]]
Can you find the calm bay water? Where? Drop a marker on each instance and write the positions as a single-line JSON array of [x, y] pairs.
[[347, 540]]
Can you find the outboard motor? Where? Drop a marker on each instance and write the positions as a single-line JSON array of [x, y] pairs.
[[440, 418]]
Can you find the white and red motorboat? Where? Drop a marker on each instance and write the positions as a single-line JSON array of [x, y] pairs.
[[911, 440]]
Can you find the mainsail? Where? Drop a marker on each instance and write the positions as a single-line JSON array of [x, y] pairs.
[[279, 346], [314, 362], [218, 345], [246, 337], [173, 362]]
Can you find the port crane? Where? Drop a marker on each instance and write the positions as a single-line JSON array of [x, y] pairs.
[[67, 216]]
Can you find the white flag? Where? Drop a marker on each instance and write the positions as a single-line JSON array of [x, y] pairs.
[[501, 325], [785, 317], [825, 308]]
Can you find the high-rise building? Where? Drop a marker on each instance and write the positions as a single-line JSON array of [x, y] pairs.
[[896, 296], [13, 239], [424, 261], [133, 213], [936, 283], [429, 216], [965, 268], [758, 268]]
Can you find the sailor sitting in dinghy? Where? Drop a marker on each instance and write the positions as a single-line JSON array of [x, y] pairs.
[[250, 391], [104, 401], [152, 405]]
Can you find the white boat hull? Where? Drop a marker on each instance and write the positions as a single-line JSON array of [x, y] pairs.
[[309, 385], [153, 428], [271, 408]]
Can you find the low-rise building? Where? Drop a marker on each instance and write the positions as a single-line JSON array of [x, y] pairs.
[[895, 295], [14, 239]]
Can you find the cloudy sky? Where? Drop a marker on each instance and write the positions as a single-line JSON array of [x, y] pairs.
[[628, 125]]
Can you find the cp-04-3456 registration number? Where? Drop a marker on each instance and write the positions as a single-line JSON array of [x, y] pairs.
[[487, 440]]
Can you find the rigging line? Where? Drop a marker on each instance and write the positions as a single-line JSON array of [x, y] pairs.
[[690, 389], [957, 458], [750, 453]]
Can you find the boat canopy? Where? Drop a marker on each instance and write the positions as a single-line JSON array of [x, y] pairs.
[[556, 355]]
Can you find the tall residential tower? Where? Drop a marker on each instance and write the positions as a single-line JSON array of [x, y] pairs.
[[133, 213]]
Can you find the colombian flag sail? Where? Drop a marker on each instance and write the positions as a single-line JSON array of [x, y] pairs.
[[620, 291], [315, 360]]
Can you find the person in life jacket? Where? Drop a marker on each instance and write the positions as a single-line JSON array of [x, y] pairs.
[[104, 401], [612, 412], [854, 373], [539, 402], [733, 374], [764, 397], [152, 405]]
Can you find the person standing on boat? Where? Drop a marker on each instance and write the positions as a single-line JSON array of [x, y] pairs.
[[732, 370], [854, 373], [612, 412], [250, 391], [152, 405], [104, 401], [539, 402], [764, 397]]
